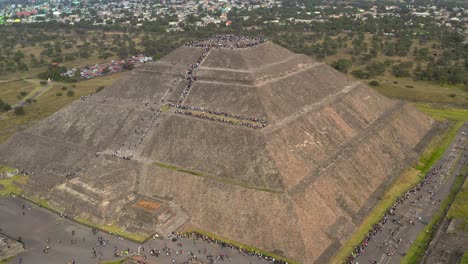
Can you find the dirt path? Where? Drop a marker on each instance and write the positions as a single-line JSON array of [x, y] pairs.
[[33, 95]]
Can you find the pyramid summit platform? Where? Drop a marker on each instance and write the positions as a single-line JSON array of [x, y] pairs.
[[238, 137]]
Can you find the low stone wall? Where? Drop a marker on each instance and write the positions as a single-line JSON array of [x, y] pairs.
[[9, 247]]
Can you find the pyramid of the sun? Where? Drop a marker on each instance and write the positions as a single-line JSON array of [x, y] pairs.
[[297, 187]]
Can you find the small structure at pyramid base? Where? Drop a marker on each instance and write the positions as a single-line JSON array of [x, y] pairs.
[[9, 247], [241, 138]]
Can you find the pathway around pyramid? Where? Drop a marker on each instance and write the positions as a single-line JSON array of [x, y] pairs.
[[49, 238], [390, 239], [208, 114]]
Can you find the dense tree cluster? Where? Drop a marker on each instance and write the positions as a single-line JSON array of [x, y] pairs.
[[4, 106], [404, 46]]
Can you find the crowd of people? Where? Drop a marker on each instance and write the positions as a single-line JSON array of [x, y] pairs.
[[227, 41], [219, 113], [176, 246], [5, 175], [249, 252], [217, 41], [221, 119], [189, 76], [358, 250]]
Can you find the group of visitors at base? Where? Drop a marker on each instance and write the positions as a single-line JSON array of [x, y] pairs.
[[227, 41], [358, 250]]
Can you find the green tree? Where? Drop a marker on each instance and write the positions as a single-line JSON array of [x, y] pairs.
[[342, 65], [19, 110]]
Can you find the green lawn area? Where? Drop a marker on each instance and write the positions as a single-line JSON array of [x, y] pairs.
[[119, 261], [9, 91], [431, 154], [449, 113], [459, 208], [421, 91], [12, 184], [112, 228], [464, 259], [49, 103], [7, 260]]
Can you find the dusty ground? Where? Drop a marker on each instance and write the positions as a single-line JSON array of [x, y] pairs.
[[38, 225]]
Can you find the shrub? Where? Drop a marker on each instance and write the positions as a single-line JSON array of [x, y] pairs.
[[360, 74], [58, 94], [99, 89], [22, 94], [452, 95], [29, 101], [43, 83], [19, 110], [374, 83], [70, 93], [64, 88], [6, 107]]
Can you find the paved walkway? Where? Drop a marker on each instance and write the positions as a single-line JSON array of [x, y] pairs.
[[392, 243], [36, 226]]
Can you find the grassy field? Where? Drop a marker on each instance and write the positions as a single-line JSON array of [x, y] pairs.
[[464, 259], [402, 88], [7, 260], [441, 113], [418, 91], [119, 261], [12, 184], [235, 243], [9, 91], [459, 208], [114, 229], [412, 176], [48, 103]]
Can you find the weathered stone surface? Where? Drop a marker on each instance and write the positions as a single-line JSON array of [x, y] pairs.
[[9, 247], [298, 187]]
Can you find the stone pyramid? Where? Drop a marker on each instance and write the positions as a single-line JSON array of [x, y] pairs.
[[253, 143]]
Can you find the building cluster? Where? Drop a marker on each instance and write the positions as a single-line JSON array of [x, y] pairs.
[[98, 70], [175, 14]]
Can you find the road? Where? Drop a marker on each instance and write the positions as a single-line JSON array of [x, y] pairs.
[[37, 225], [411, 216]]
